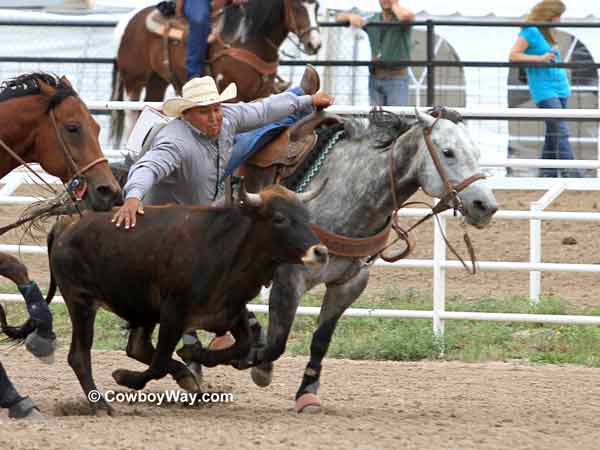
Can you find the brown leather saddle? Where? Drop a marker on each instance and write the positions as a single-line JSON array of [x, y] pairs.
[[167, 27], [280, 159]]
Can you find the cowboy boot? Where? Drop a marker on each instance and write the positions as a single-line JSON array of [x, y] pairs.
[[310, 83]]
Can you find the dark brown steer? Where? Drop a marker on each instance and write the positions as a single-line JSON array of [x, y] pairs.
[[182, 267]]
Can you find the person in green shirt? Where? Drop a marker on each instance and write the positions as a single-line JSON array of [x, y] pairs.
[[388, 85]]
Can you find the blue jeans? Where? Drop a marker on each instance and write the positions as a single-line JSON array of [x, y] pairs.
[[198, 15], [249, 142], [391, 91], [556, 143]]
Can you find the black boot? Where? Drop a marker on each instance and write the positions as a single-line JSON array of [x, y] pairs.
[[42, 342]]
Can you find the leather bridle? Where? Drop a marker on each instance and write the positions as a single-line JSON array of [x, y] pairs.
[[449, 200]]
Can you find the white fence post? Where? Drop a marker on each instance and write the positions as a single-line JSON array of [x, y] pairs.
[[535, 240], [439, 277]]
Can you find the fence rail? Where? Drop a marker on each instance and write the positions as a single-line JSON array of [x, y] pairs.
[[439, 263]]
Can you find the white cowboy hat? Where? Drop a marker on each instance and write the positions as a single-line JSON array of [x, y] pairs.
[[198, 92]]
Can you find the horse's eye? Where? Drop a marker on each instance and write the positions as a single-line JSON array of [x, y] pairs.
[[72, 127], [448, 153]]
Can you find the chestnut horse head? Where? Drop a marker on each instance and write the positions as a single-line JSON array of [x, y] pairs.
[[44, 121], [147, 62]]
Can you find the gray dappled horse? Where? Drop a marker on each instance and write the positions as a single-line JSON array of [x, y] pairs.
[[357, 202]]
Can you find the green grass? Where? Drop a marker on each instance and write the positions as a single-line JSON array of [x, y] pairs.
[[407, 339]]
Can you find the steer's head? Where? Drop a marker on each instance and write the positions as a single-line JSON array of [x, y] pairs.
[[284, 220]]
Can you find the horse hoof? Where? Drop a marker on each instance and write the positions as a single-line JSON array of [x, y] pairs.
[[221, 342], [262, 377], [41, 347], [308, 403], [103, 411]]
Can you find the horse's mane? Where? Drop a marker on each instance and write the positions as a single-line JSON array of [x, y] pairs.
[[384, 127], [260, 16], [28, 84]]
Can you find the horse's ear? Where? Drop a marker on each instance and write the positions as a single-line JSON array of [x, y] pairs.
[[47, 90], [424, 119], [66, 82]]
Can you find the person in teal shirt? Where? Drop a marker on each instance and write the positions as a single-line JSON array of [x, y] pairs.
[[549, 86], [388, 85]]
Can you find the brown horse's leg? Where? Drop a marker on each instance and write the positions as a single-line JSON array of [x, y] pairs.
[[155, 89]]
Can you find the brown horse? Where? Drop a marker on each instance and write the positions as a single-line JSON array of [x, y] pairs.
[[245, 52], [44, 121]]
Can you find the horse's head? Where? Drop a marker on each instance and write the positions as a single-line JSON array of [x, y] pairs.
[[301, 19], [66, 145], [458, 157]]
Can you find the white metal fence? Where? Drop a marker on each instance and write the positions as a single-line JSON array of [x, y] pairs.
[[552, 187]]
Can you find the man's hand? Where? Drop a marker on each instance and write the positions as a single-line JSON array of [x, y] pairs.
[[321, 100], [357, 21], [127, 213]]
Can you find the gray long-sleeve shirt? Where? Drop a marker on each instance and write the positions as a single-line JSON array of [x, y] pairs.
[[184, 166]]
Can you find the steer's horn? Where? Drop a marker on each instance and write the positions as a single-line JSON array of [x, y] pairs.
[[248, 198], [305, 197]]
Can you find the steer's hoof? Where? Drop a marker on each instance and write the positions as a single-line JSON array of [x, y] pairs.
[[221, 342], [188, 380], [262, 375], [308, 403], [129, 378]]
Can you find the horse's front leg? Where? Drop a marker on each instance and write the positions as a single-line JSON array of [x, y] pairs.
[[337, 299]]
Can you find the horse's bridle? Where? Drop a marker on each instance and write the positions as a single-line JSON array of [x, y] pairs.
[[449, 200], [290, 21], [76, 184]]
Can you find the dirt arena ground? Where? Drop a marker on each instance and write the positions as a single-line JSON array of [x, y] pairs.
[[367, 405], [417, 405]]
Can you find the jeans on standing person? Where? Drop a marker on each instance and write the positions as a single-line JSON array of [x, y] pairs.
[[250, 141], [390, 91], [198, 15], [556, 143]]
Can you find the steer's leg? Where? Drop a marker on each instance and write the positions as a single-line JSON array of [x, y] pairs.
[[140, 348], [169, 333], [82, 319], [337, 299]]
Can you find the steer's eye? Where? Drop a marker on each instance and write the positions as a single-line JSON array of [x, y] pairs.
[[279, 219], [448, 153], [72, 127]]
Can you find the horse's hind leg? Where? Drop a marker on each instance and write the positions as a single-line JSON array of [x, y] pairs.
[[337, 299], [83, 316], [140, 348]]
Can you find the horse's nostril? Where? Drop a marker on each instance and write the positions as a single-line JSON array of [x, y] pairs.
[[483, 207], [105, 191]]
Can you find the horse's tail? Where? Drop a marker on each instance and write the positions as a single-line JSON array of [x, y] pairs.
[[117, 117], [14, 270]]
